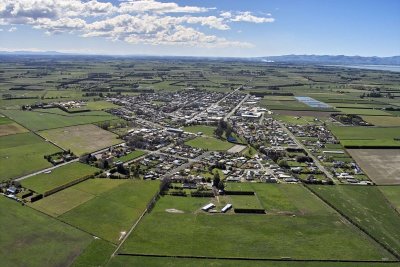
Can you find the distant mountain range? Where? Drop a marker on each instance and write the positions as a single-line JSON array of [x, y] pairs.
[[307, 59], [334, 60]]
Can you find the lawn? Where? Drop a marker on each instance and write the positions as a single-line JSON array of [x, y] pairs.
[[255, 236], [30, 238], [206, 130], [54, 118], [392, 193], [368, 208], [81, 139], [112, 211], [298, 120], [100, 105], [22, 154], [122, 261], [245, 202], [209, 143], [44, 182]]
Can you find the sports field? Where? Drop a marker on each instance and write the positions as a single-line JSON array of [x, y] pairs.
[[54, 118], [30, 238], [209, 143], [81, 139], [251, 236], [60, 176], [22, 154], [367, 207], [206, 130], [381, 165]]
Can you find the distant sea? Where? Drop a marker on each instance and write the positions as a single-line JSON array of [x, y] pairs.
[[394, 68]]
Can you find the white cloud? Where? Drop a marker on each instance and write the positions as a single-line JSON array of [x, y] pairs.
[[12, 29], [248, 17], [134, 21]]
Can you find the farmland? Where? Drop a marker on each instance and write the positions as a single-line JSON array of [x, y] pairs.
[[81, 139], [8, 127], [381, 165], [44, 182], [367, 137], [34, 239], [22, 154], [392, 193]]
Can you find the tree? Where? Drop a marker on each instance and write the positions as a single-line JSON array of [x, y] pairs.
[[283, 163], [221, 185], [228, 132], [217, 179], [219, 131]]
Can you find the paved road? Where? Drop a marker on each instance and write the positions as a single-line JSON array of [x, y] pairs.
[[227, 116], [316, 161]]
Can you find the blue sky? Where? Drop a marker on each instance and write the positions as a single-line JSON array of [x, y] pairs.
[[202, 28]]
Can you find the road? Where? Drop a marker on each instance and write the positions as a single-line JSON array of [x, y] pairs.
[[316, 161], [227, 116]]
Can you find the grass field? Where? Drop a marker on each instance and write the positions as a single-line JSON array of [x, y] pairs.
[[100, 105], [367, 207], [254, 236], [96, 254], [206, 130], [8, 127], [122, 261], [385, 121], [245, 202], [54, 118], [209, 143], [364, 111], [113, 211], [296, 119], [22, 154], [60, 176], [381, 165], [30, 238], [81, 139], [392, 193], [366, 136]]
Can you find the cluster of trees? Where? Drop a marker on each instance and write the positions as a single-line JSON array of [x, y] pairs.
[[222, 127], [217, 182]]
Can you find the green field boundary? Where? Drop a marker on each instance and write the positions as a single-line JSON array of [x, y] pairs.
[[283, 259], [354, 223]]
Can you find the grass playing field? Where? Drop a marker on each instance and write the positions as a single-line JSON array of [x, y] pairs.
[[60, 176], [81, 139], [30, 238], [206, 130], [22, 154], [209, 143]]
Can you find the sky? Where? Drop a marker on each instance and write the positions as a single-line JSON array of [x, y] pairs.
[[226, 28]]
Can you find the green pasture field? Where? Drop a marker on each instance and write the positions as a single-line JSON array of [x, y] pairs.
[[206, 130], [30, 238], [255, 236], [303, 120], [384, 121], [81, 139], [8, 127], [245, 202], [148, 261], [364, 111], [22, 154], [100, 105], [113, 211], [96, 254], [368, 208], [43, 182], [133, 155], [366, 136], [44, 120], [209, 143], [392, 193]]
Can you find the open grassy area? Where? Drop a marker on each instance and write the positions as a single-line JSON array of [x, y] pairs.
[[298, 120], [8, 127], [367, 136], [364, 111], [113, 211], [29, 238], [385, 121], [133, 155], [54, 118], [122, 261], [392, 193], [96, 254], [100, 105], [206, 130], [22, 154], [255, 236], [81, 139], [60, 176], [209, 143], [368, 208]]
